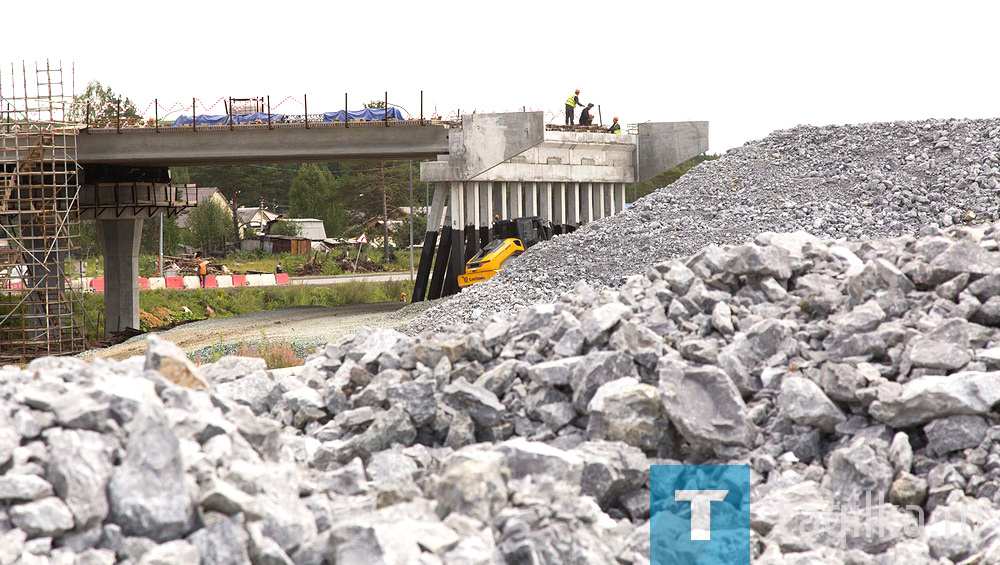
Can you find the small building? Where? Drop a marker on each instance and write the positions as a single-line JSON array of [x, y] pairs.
[[255, 221], [286, 244]]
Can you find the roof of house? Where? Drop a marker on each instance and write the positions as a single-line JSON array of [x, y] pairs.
[[245, 215], [310, 228], [201, 193]]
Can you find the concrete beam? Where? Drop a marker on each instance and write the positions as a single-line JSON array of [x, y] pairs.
[[285, 143], [485, 141], [663, 145], [121, 273]]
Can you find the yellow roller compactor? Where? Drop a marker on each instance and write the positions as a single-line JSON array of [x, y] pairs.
[[511, 238]]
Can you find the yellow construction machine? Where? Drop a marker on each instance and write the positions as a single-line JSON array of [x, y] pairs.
[[511, 238]]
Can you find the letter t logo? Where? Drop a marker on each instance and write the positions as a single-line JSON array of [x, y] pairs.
[[701, 510]]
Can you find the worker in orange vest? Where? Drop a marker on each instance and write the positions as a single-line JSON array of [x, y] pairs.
[[202, 271]]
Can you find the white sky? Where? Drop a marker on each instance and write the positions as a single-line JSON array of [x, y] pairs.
[[748, 67]]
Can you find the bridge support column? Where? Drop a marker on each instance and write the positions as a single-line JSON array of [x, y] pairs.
[[430, 241], [586, 202], [573, 204], [619, 189], [531, 208], [504, 210], [121, 273], [559, 201], [545, 200]]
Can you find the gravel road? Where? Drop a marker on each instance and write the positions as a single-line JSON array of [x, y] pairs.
[[307, 326]]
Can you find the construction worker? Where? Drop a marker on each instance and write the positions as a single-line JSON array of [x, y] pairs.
[[202, 272], [571, 104], [615, 128], [585, 118]]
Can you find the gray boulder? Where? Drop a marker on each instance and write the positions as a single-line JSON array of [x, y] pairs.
[[597, 368], [480, 404], [803, 402], [923, 399], [171, 363], [610, 470], [224, 543], [174, 552], [475, 486], [47, 517], [148, 491], [80, 469], [9, 437], [955, 433], [629, 411], [23, 488], [416, 398], [706, 407], [859, 474]]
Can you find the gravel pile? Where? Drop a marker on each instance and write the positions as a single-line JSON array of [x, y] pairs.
[[857, 181], [858, 381]]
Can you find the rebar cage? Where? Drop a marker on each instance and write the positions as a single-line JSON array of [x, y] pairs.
[[40, 313]]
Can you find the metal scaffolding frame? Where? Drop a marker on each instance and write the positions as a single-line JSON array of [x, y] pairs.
[[39, 217]]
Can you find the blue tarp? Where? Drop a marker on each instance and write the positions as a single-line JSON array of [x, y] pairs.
[[368, 115], [223, 120]]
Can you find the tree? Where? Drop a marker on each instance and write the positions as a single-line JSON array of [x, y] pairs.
[[209, 225], [101, 105], [313, 194], [373, 191], [282, 227], [150, 239], [254, 182]]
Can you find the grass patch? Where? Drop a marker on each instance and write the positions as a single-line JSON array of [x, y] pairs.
[[277, 355], [169, 306]]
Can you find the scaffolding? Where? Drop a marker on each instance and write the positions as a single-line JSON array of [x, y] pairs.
[[39, 217]]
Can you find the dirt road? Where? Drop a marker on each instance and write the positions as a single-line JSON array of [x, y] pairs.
[[302, 324]]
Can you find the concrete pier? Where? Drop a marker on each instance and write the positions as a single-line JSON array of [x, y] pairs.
[[121, 273]]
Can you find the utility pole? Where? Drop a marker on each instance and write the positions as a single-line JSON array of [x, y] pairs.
[[236, 218], [411, 219], [385, 218], [160, 272]]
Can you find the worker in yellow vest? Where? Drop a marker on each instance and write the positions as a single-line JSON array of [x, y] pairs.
[[615, 128], [571, 103]]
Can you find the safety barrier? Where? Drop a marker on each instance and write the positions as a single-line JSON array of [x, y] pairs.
[[211, 281]]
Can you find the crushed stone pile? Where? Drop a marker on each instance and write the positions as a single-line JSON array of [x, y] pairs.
[[858, 380], [857, 181]]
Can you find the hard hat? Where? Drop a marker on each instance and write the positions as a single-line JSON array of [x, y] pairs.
[[616, 118], [578, 91]]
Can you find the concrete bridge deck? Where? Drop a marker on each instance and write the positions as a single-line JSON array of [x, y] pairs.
[[262, 143]]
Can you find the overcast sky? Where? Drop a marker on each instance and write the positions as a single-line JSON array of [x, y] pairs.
[[748, 67]]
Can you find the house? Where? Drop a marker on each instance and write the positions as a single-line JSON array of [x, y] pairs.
[[255, 221], [202, 194]]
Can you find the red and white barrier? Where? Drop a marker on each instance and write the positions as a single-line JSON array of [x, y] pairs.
[[192, 282]]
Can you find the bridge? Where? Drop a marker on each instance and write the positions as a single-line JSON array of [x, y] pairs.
[[485, 165]]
